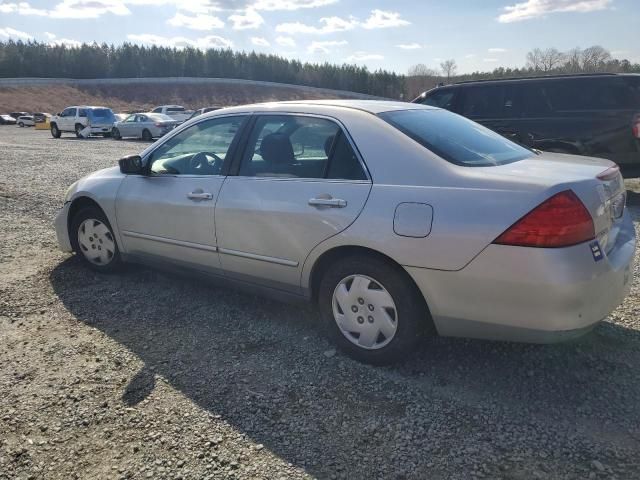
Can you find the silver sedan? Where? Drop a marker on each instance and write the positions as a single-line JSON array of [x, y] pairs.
[[396, 220], [146, 126]]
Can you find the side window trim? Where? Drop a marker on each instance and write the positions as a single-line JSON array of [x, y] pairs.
[[250, 125], [231, 153]]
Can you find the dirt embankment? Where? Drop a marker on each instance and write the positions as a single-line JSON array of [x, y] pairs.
[[139, 96]]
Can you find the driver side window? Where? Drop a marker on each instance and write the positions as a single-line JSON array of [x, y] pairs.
[[197, 150]]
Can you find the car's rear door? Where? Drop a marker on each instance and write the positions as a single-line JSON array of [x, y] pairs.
[[169, 213], [299, 182]]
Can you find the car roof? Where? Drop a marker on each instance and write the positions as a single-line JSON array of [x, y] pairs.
[[370, 106], [544, 78]]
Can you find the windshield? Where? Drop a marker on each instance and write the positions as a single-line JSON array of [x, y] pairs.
[[455, 138]]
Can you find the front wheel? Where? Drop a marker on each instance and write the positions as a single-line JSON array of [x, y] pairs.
[[55, 131], [115, 133], [372, 310], [21, 124], [93, 239]]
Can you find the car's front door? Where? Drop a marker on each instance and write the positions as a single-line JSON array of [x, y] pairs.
[[67, 119], [299, 183], [127, 127], [169, 213]]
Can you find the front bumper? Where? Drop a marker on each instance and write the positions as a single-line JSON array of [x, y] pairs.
[[62, 231], [538, 295]]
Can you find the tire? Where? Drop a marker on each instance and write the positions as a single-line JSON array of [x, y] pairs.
[[78, 128], [115, 133], [97, 248], [21, 124], [146, 135], [55, 131], [399, 323]]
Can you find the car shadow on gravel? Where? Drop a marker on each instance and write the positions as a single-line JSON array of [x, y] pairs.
[[268, 371]]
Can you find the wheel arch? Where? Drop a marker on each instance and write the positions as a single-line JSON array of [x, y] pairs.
[[334, 254], [78, 204]]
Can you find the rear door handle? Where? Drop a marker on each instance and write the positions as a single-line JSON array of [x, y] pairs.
[[199, 196], [328, 202]]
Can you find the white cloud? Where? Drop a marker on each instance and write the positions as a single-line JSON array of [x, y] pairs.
[[490, 60], [363, 56], [290, 4], [285, 41], [50, 35], [323, 47], [260, 42], [496, 50], [200, 21], [329, 25], [539, 8], [470, 55], [384, 19], [8, 32], [410, 46], [88, 8], [247, 20], [210, 41], [22, 8]]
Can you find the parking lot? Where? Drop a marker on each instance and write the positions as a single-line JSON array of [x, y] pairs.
[[146, 374]]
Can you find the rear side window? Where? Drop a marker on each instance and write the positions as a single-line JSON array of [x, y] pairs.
[[82, 112], [442, 98], [579, 94], [490, 101], [455, 138]]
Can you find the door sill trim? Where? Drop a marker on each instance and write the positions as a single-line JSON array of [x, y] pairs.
[[262, 258], [170, 241]]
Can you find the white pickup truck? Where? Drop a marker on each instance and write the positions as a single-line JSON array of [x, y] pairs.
[[177, 112]]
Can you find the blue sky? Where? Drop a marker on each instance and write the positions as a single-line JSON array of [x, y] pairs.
[[478, 34]]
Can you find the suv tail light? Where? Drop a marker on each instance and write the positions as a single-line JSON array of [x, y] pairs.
[[560, 221], [636, 126]]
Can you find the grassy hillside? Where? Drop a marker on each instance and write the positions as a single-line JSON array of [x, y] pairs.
[[139, 95]]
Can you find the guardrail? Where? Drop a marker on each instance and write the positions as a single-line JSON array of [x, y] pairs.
[[33, 82]]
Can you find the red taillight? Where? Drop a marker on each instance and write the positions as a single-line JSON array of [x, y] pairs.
[[560, 221], [636, 126]]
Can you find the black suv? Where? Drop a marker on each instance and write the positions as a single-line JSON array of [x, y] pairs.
[[596, 115]]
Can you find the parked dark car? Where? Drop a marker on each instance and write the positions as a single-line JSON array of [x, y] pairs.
[[595, 115], [18, 114], [7, 120], [41, 117]]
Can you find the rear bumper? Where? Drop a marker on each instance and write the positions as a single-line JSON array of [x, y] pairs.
[[530, 294], [101, 128], [62, 230]]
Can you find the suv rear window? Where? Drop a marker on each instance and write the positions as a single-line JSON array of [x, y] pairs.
[[455, 138], [100, 113], [175, 109]]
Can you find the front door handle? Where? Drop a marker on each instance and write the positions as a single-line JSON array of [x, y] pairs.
[[328, 202], [199, 195]]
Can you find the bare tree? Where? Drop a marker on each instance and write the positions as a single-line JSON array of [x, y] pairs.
[[573, 60], [534, 59], [449, 68], [552, 58], [421, 70], [594, 58]]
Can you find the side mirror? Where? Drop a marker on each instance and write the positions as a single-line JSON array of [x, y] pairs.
[[131, 165]]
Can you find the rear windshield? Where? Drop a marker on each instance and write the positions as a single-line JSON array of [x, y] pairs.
[[175, 109], [455, 138], [101, 113]]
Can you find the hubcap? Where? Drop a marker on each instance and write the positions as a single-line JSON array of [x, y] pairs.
[[365, 312], [96, 242]]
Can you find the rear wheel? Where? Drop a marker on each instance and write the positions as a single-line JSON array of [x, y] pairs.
[[78, 129], [93, 239], [55, 131], [115, 133], [146, 135], [372, 310]]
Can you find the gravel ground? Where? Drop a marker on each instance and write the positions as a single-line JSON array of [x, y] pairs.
[[149, 375]]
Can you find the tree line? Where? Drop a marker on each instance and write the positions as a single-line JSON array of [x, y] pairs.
[[37, 59]]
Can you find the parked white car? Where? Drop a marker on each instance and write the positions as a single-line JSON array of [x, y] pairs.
[[177, 112], [146, 126], [99, 121], [26, 121], [394, 218]]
